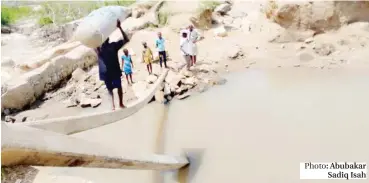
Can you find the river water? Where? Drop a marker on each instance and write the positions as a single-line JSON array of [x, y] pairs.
[[257, 127]]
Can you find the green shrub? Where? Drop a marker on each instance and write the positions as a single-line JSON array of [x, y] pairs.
[[209, 5], [163, 17], [11, 14], [119, 2], [44, 21]]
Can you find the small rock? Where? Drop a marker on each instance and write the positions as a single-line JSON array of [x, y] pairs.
[[151, 79], [220, 31], [6, 111], [324, 49], [283, 46], [204, 68], [183, 96], [7, 62], [5, 29], [78, 75], [190, 81], [309, 40], [10, 119], [95, 102], [24, 119], [300, 47], [223, 8], [305, 57], [187, 73], [234, 52], [225, 65], [173, 79], [181, 90], [87, 102]]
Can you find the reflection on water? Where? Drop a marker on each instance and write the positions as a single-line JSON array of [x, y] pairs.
[[256, 128]]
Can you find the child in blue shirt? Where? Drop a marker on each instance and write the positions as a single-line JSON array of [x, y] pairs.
[[127, 65], [161, 49]]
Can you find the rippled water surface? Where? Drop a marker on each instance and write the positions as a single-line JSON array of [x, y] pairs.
[[255, 128]]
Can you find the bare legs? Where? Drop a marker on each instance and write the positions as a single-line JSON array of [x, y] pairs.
[[149, 68], [193, 60], [120, 95], [130, 76], [112, 99]]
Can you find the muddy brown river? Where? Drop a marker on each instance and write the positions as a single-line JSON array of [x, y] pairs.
[[257, 127]]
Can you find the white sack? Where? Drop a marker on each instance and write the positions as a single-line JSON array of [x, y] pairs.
[[99, 24]]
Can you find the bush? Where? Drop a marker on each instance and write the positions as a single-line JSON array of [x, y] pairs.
[[44, 21], [11, 14], [163, 18], [209, 5], [119, 2]]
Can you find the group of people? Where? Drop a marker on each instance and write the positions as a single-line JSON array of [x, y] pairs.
[[109, 68]]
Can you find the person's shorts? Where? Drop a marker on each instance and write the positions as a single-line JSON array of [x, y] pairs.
[[127, 71], [111, 84], [148, 60]]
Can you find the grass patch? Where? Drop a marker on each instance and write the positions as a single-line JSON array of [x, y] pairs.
[[45, 21], [119, 3], [58, 12], [63, 12], [11, 14], [163, 18], [208, 5]]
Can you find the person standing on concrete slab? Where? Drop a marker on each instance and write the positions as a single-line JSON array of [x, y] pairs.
[[147, 57], [161, 49], [127, 65], [184, 46], [109, 69], [194, 37]]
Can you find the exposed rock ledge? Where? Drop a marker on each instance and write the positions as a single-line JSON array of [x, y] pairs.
[[317, 16], [22, 91]]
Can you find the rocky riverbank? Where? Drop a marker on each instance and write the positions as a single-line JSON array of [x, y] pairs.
[[237, 36]]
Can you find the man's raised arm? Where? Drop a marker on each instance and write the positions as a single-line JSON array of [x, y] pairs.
[[119, 44]]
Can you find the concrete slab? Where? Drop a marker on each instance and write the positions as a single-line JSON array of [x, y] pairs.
[[74, 124], [22, 145]]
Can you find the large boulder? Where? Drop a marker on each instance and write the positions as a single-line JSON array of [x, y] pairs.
[[203, 19], [48, 55], [223, 8], [317, 15], [22, 91]]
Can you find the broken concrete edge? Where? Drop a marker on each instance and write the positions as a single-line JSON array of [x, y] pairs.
[[74, 124], [47, 148], [24, 90]]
